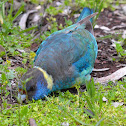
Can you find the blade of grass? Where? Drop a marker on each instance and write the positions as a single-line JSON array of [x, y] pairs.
[[100, 103], [28, 29], [18, 12], [98, 123], [80, 121], [89, 103], [104, 37], [11, 11], [91, 89]]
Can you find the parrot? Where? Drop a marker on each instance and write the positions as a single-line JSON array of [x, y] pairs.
[[64, 59]]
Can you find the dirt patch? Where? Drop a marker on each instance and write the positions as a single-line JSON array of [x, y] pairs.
[[106, 52]]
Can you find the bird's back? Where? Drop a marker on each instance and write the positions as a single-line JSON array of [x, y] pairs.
[[66, 54]]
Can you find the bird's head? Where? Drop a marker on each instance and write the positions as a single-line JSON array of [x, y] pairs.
[[34, 84]]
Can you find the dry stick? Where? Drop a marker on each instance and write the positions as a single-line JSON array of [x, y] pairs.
[[40, 24]]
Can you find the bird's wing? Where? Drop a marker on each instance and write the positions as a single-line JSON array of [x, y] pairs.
[[84, 23], [67, 51]]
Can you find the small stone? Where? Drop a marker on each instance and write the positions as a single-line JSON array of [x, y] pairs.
[[58, 3], [38, 7], [64, 124], [76, 15], [67, 11], [104, 99]]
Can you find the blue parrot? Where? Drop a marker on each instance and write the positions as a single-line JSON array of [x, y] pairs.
[[64, 59]]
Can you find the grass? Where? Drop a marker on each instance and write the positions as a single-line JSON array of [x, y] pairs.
[[66, 107]]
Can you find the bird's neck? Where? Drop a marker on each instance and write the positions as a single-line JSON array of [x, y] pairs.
[[47, 77]]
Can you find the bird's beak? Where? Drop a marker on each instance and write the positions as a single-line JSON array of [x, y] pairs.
[[21, 97]]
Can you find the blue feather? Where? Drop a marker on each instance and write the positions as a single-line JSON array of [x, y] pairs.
[[41, 91], [85, 12]]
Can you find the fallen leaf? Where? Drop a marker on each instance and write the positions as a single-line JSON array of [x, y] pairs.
[[24, 18], [102, 27], [121, 65], [118, 27], [113, 77], [105, 28], [116, 104]]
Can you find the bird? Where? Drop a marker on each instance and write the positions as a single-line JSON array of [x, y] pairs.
[[63, 59]]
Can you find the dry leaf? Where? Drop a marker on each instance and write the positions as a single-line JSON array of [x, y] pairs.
[[102, 27], [98, 70], [24, 18], [32, 122], [116, 104], [113, 77], [118, 27]]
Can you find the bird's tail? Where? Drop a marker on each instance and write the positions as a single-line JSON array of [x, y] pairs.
[[85, 12]]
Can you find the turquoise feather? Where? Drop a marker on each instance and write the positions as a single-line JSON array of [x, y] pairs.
[[85, 12], [67, 56]]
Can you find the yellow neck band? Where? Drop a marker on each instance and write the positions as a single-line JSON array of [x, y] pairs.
[[48, 77]]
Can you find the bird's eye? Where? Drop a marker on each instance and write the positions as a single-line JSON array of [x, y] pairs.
[[32, 88], [22, 91]]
